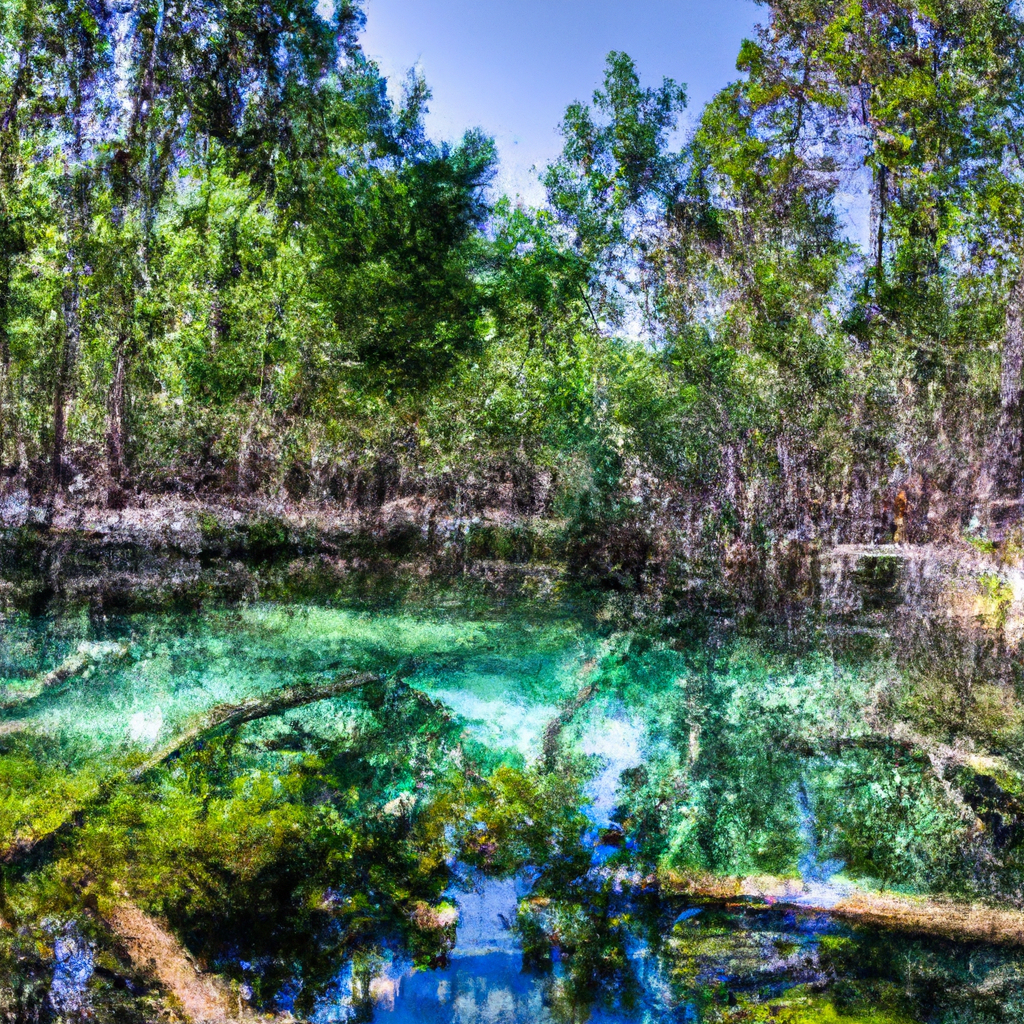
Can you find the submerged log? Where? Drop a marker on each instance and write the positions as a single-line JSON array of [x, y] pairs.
[[554, 730], [225, 715], [75, 664], [233, 715], [940, 761], [922, 915]]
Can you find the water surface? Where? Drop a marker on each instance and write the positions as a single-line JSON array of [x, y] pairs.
[[486, 833]]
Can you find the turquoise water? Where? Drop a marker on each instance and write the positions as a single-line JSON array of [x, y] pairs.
[[480, 834]]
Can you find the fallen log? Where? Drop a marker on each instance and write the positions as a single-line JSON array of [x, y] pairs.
[[225, 715], [154, 950], [553, 732], [233, 715]]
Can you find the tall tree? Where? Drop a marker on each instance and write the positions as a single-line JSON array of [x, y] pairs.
[[398, 227], [79, 55], [20, 27], [613, 184], [926, 97], [755, 251]]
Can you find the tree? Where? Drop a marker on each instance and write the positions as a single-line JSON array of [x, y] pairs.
[[19, 29], [614, 182], [754, 255], [401, 252], [925, 97]]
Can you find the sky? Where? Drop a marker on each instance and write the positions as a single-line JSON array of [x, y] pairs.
[[511, 67]]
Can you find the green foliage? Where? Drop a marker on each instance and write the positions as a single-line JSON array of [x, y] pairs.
[[610, 190], [400, 248], [228, 260], [511, 819], [285, 285]]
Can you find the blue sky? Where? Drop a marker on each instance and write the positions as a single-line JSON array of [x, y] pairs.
[[511, 66]]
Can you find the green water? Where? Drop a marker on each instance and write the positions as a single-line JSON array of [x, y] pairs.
[[428, 847]]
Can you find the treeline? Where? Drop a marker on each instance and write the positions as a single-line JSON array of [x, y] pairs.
[[230, 261]]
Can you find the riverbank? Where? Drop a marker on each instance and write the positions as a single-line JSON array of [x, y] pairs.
[[168, 551]]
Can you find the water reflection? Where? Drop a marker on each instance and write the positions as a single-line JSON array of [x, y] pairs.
[[691, 964]]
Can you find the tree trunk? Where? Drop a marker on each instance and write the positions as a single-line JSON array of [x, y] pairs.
[[879, 211], [5, 359], [57, 458], [116, 424], [1008, 441], [71, 298], [70, 303]]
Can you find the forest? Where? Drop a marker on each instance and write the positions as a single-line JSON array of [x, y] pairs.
[[233, 263]]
